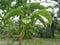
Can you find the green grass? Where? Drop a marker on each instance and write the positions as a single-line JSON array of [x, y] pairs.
[[41, 41], [37, 41]]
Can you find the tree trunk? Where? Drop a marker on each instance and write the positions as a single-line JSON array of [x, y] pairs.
[[8, 37], [20, 41], [20, 37], [52, 30]]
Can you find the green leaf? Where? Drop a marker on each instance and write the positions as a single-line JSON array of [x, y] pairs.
[[42, 21], [26, 20], [14, 12], [45, 14]]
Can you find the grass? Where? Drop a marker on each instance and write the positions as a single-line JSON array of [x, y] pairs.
[[36, 41], [41, 41]]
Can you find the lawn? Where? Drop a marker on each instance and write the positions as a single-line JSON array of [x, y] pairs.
[[37, 41], [42, 41]]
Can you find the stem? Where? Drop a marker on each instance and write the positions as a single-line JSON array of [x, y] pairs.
[[20, 38], [20, 41]]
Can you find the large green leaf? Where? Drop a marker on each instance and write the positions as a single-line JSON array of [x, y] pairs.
[[41, 19], [45, 14], [14, 12], [26, 20]]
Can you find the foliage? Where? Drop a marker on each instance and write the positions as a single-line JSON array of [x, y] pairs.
[[4, 4], [28, 14]]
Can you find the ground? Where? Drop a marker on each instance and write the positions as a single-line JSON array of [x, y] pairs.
[[36, 41]]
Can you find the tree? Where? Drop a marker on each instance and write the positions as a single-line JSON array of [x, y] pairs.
[[56, 23], [28, 14], [58, 7]]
